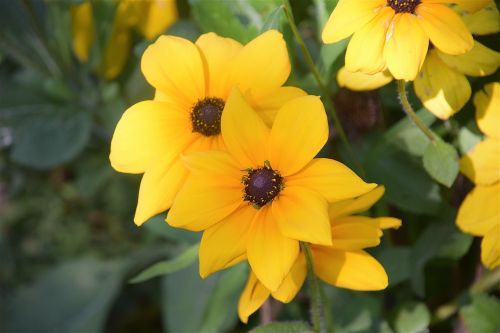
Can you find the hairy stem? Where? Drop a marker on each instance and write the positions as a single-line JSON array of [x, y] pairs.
[[403, 97]]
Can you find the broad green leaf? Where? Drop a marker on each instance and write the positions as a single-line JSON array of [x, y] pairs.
[[441, 162], [284, 327], [191, 303], [159, 227], [412, 318], [482, 315], [456, 246], [182, 261], [467, 139], [73, 297], [50, 136], [274, 19], [396, 261]]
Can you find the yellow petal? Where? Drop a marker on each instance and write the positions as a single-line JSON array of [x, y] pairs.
[[293, 281], [244, 132], [218, 54], [174, 66], [358, 81], [159, 186], [212, 162], [332, 179], [480, 210], [490, 247], [252, 297], [442, 90], [205, 200], [299, 132], [302, 214], [406, 47], [483, 22], [487, 103], [376, 222], [480, 61], [358, 205], [270, 254], [82, 28], [355, 270], [269, 105], [262, 65], [222, 243], [348, 17], [387, 222], [445, 28], [365, 50], [160, 14], [471, 6], [355, 235], [146, 132], [482, 163]]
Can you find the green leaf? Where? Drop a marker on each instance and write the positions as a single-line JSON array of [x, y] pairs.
[[73, 297], [191, 304], [284, 327], [482, 315], [412, 318], [457, 245], [157, 226], [396, 261], [467, 139], [273, 20], [168, 266], [49, 136], [441, 162]]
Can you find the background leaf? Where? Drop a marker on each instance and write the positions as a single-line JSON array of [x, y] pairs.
[[441, 162]]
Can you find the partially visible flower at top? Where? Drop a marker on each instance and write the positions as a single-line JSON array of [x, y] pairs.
[[342, 264], [395, 34], [192, 82], [442, 85], [148, 17], [479, 214], [266, 192]]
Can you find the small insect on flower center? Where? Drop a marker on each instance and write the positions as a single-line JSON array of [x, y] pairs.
[[403, 6], [206, 116], [262, 185]]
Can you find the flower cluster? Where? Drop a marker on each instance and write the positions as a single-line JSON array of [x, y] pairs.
[[480, 212], [230, 151], [441, 82]]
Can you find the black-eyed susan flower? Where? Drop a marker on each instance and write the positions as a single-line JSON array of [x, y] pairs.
[[479, 214], [442, 85], [192, 82], [148, 17], [266, 192], [395, 34], [343, 264]]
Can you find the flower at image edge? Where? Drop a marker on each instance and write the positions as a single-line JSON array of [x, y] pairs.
[[267, 192], [343, 264], [395, 34], [479, 213], [192, 82]]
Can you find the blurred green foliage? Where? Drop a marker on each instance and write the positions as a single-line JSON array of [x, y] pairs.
[[69, 248]]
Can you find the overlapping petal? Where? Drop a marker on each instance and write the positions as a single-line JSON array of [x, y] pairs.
[[253, 296], [357, 205], [293, 281], [487, 103], [482, 163], [485, 21], [490, 247], [479, 61], [269, 105], [299, 132], [359, 81]]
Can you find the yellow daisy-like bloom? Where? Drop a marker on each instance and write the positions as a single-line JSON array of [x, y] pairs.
[[149, 17], [479, 214], [266, 192], [395, 34], [343, 264], [442, 85], [193, 81]]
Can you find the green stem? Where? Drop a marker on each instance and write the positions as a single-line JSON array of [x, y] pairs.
[[317, 315], [411, 113], [323, 88]]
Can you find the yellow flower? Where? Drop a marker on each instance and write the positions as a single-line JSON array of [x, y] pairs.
[[192, 83], [149, 17], [441, 85], [343, 264], [395, 34], [267, 192], [479, 214]]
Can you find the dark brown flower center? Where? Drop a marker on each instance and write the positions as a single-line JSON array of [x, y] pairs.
[[206, 116], [403, 6], [262, 185]]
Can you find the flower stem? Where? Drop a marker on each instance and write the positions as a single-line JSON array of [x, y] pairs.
[[403, 97], [322, 86], [317, 315]]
